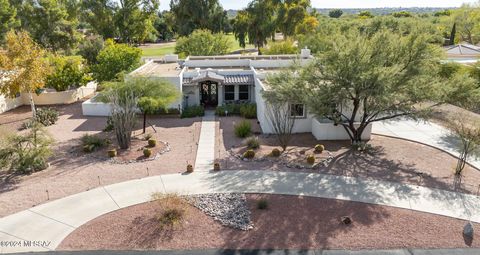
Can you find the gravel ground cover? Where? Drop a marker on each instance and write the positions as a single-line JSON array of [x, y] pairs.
[[230, 210], [289, 222], [72, 172]]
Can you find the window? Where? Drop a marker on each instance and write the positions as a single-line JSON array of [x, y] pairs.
[[243, 92], [297, 110], [229, 93]]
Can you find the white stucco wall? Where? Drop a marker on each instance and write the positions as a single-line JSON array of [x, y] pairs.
[[93, 108], [7, 104], [328, 131], [48, 97]]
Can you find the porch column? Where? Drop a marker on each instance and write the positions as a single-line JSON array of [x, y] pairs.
[[237, 93]]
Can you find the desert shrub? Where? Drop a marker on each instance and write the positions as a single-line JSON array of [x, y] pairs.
[[92, 143], [169, 111], [276, 152], [47, 116], [243, 128], [252, 143], [173, 210], [216, 166], [26, 153], [90, 48], [319, 148], [249, 154], [189, 168], [112, 153], [280, 47], [147, 137], [248, 111], [147, 152], [109, 126], [193, 111], [262, 204], [311, 159], [152, 142]]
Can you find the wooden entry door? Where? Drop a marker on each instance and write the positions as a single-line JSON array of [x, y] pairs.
[[209, 94]]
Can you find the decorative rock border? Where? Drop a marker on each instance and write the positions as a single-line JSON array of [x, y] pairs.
[[231, 210], [163, 151], [324, 162]]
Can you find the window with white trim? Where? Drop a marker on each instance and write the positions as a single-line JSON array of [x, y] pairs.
[[297, 111], [243, 92], [229, 93]]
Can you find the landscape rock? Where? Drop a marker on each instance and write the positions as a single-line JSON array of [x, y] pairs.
[[230, 210], [468, 230]]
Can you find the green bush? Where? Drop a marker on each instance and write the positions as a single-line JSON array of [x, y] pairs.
[[262, 204], [115, 59], [112, 153], [253, 143], [280, 47], [276, 152], [109, 126], [47, 116], [319, 148], [311, 159], [68, 73], [192, 111], [147, 152], [92, 143], [152, 142], [249, 154], [243, 128], [248, 111], [26, 153], [202, 43]]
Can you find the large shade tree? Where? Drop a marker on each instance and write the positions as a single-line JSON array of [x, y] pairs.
[[134, 20], [52, 24], [257, 23], [99, 14], [8, 18], [290, 14], [198, 14], [362, 79], [23, 66]]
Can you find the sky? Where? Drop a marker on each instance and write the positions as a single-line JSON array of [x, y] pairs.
[[240, 4]]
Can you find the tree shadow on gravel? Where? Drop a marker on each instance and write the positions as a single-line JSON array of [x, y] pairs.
[[302, 223]]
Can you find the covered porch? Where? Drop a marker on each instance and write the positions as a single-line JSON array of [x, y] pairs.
[[210, 89]]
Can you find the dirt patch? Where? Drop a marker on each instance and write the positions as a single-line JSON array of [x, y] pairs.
[[388, 159], [72, 172], [289, 222]]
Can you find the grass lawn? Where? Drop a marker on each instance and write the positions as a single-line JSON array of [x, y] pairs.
[[163, 49]]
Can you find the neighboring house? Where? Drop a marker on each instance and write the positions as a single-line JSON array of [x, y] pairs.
[[463, 53], [217, 80]]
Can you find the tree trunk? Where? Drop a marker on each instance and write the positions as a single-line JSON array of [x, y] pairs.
[[32, 105], [144, 122]]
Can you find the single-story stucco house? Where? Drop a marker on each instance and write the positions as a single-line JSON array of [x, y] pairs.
[[216, 80]]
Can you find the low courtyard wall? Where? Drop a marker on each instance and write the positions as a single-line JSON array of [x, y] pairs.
[[328, 131], [49, 97]]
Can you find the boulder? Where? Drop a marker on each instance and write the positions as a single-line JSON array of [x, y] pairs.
[[346, 220], [468, 230]]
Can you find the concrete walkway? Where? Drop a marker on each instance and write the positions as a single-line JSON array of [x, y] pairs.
[[206, 145], [53, 221], [423, 132]]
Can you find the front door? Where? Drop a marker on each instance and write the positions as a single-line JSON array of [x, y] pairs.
[[209, 93]]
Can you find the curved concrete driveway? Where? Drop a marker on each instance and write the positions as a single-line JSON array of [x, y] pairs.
[[423, 132], [52, 222]]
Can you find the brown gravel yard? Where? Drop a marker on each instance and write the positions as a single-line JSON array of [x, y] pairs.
[[71, 173], [390, 159], [290, 222]]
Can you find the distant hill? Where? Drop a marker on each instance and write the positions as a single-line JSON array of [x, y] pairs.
[[374, 11], [386, 11]]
